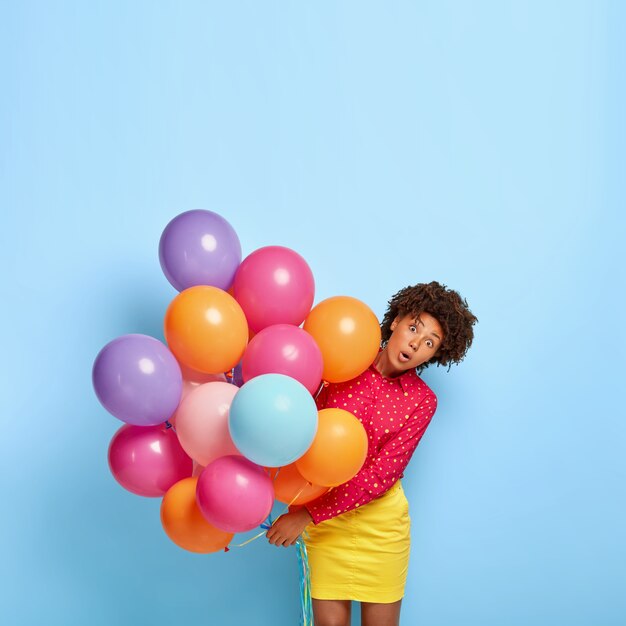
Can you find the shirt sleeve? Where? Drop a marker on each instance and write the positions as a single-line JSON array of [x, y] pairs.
[[380, 472]]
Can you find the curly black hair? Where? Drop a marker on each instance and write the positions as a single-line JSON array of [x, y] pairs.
[[447, 307]]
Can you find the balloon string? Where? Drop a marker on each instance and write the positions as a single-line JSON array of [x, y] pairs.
[[304, 576], [319, 389]]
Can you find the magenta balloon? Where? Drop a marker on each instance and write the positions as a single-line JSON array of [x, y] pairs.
[[234, 494], [274, 285], [148, 460], [202, 422], [284, 349]]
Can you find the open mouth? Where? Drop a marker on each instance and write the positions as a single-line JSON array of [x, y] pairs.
[[404, 357]]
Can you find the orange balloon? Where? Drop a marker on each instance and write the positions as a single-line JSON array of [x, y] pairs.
[[338, 450], [289, 483], [348, 334], [185, 525], [206, 329]]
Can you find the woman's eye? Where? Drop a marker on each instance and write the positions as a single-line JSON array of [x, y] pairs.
[[429, 343], [412, 328]]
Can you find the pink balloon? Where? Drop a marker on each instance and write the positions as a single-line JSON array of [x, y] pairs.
[[284, 349], [202, 422], [274, 285], [234, 494], [147, 460], [190, 385]]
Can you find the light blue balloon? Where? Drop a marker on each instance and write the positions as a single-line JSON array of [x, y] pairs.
[[273, 420]]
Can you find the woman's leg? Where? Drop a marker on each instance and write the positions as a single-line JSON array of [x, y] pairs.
[[374, 614], [331, 612]]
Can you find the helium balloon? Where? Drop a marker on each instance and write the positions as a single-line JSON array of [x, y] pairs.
[[202, 422], [138, 380], [348, 335], [274, 285], [292, 488], [206, 329], [284, 349], [338, 450], [272, 420], [187, 389], [147, 460], [185, 525], [199, 248], [234, 494]]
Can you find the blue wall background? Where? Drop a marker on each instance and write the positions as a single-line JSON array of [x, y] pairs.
[[480, 144]]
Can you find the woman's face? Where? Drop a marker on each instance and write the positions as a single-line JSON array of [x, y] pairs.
[[414, 340]]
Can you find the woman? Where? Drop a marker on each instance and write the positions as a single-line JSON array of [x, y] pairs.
[[359, 533]]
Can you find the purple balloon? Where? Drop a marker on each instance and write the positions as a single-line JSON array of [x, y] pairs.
[[234, 494], [199, 248], [138, 380], [148, 460]]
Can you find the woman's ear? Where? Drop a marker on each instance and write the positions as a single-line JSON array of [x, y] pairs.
[[394, 323]]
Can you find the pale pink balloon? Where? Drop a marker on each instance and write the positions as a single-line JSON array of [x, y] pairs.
[[274, 285], [148, 460], [234, 494], [190, 385], [202, 422], [284, 349]]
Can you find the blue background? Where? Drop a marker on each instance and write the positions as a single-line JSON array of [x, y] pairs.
[[479, 144]]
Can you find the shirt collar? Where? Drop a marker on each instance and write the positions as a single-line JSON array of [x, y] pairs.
[[404, 380]]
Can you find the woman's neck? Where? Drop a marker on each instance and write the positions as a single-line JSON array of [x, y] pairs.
[[382, 365]]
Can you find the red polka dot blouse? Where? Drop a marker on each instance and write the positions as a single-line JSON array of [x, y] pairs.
[[395, 413]]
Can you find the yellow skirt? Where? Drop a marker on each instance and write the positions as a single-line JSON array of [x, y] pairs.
[[363, 554]]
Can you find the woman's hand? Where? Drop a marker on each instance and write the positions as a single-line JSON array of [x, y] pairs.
[[287, 528]]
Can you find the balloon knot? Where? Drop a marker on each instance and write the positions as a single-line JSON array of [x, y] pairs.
[[168, 424], [226, 549], [229, 374]]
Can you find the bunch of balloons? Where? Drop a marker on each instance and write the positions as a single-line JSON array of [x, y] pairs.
[[220, 453]]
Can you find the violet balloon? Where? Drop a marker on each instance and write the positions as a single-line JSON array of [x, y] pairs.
[[234, 494], [138, 380], [284, 349], [148, 460], [199, 248], [274, 285]]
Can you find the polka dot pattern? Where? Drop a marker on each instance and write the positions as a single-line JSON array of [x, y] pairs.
[[395, 413]]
